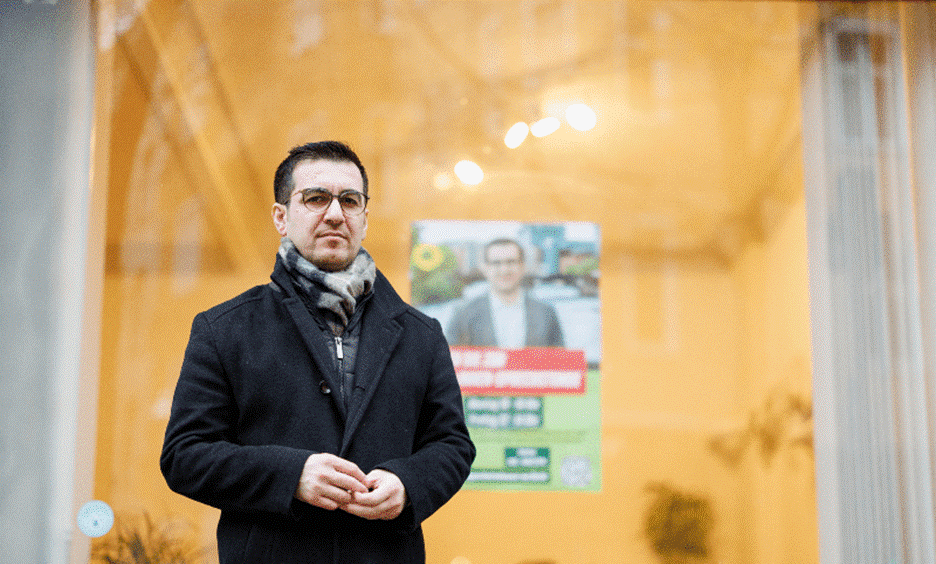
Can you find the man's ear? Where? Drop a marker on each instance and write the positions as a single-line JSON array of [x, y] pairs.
[[279, 218]]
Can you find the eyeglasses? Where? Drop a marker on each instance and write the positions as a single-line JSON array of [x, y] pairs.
[[317, 200]]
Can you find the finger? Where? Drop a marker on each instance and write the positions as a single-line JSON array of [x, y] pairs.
[[363, 511], [330, 497], [338, 472], [347, 483], [372, 498], [325, 503], [349, 468], [386, 509], [320, 497]]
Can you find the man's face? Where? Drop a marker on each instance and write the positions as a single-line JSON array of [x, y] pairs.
[[328, 239], [503, 268]]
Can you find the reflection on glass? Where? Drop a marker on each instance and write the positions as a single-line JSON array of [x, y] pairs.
[[682, 143]]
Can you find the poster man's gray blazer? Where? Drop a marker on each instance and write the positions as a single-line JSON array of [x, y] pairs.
[[472, 326]]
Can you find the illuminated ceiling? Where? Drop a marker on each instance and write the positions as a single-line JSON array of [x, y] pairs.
[[697, 108]]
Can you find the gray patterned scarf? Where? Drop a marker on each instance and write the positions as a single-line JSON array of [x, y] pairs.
[[334, 294]]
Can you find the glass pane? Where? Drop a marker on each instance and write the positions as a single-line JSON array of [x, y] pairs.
[[692, 173]]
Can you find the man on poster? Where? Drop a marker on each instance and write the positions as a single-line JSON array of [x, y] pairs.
[[505, 316], [319, 411]]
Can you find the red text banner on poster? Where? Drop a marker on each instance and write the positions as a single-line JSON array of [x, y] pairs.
[[533, 371]]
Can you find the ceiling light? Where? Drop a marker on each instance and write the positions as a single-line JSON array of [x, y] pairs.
[[516, 134], [544, 127], [469, 172], [580, 117]]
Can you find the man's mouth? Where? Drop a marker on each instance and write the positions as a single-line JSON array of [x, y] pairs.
[[331, 234]]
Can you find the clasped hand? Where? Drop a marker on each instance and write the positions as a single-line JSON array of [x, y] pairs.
[[331, 482]]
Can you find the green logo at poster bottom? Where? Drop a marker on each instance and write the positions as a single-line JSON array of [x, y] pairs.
[[527, 465]]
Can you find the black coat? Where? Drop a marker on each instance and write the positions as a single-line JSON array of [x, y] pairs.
[[254, 400]]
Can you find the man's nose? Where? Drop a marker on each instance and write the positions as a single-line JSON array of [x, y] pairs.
[[333, 212]]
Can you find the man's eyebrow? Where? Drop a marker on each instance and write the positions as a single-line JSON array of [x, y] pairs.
[[312, 189], [322, 189]]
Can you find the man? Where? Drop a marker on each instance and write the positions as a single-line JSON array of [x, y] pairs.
[[319, 412], [505, 316]]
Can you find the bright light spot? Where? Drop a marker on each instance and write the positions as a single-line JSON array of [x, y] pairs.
[[516, 134], [469, 173], [442, 181], [460, 560], [544, 127], [580, 117]]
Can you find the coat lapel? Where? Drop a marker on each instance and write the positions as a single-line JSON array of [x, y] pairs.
[[309, 331], [380, 335], [315, 343]]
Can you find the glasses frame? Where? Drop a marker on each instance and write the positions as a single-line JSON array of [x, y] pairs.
[[304, 193], [511, 262]]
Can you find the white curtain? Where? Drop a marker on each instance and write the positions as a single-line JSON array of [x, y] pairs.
[[869, 262], [46, 109]]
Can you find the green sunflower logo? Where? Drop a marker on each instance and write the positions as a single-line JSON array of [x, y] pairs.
[[427, 257]]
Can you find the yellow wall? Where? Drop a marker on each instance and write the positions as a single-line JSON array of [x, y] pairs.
[[779, 522]]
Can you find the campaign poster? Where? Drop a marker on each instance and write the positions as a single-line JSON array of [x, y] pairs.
[[520, 308]]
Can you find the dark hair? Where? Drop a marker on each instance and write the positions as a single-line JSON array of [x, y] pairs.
[[317, 151], [504, 241]]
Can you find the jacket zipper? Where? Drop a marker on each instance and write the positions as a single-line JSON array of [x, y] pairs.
[[338, 350], [339, 353]]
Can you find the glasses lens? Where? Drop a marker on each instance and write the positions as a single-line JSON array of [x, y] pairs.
[[315, 200], [351, 202]]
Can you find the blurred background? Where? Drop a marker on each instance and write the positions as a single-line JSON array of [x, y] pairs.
[[760, 172]]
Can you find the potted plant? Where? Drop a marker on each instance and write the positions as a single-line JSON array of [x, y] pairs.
[[677, 524], [141, 541]]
